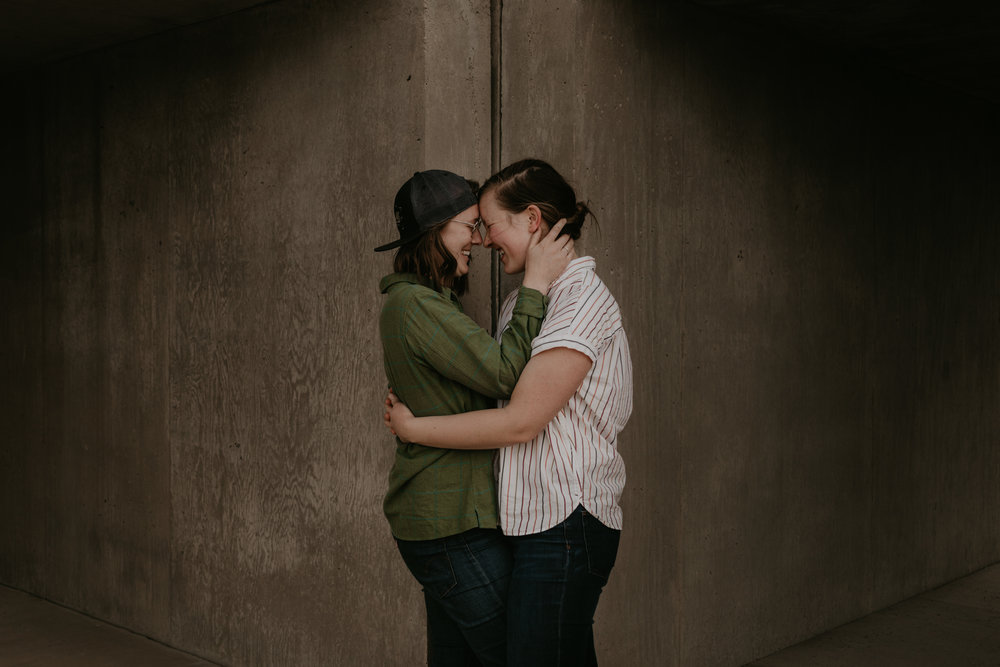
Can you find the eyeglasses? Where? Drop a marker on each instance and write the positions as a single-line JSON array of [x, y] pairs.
[[474, 226]]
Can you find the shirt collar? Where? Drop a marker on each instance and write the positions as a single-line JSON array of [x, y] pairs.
[[585, 263]]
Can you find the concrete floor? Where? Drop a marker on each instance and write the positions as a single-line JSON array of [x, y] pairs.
[[36, 633], [955, 625]]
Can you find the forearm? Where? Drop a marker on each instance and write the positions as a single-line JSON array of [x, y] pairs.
[[479, 429], [548, 382], [462, 351]]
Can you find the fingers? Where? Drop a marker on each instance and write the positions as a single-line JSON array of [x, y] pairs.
[[565, 241], [561, 242], [535, 238], [553, 235], [556, 228]]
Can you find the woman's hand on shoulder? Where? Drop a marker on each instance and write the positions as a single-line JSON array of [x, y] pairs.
[[396, 416], [547, 257]]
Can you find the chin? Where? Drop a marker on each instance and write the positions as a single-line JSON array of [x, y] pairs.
[[509, 268]]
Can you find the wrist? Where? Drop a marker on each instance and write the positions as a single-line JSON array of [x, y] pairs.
[[536, 284]]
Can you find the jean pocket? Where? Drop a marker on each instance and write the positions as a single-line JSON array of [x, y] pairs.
[[601, 543], [434, 572]]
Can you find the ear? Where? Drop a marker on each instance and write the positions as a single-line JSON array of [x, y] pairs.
[[534, 217]]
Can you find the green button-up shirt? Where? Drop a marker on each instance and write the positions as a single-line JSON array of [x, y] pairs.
[[440, 362]]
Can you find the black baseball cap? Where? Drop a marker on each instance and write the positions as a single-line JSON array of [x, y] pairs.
[[428, 198]]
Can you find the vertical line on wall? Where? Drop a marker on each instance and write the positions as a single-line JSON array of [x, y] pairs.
[[171, 269], [43, 91], [869, 575], [496, 42], [680, 648], [102, 272]]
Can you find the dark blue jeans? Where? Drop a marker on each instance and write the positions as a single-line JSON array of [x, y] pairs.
[[465, 579], [557, 580]]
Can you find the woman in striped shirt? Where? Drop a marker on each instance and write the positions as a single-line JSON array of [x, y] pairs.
[[559, 474]]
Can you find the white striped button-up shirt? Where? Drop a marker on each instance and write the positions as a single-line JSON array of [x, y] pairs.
[[574, 460]]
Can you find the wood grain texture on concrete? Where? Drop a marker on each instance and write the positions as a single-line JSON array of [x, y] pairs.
[[285, 162], [93, 401], [195, 371]]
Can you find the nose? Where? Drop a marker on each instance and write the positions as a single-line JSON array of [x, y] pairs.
[[487, 241], [477, 238]]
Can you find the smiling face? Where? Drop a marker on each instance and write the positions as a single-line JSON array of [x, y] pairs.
[[459, 238], [506, 232]]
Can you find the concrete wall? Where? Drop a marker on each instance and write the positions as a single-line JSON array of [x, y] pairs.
[[803, 249], [192, 371]]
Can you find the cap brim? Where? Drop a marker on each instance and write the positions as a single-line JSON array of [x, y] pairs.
[[389, 246], [399, 242]]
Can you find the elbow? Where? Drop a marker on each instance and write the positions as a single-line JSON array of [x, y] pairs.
[[524, 430], [506, 380]]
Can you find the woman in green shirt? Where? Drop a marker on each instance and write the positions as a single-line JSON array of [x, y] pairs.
[[441, 504]]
